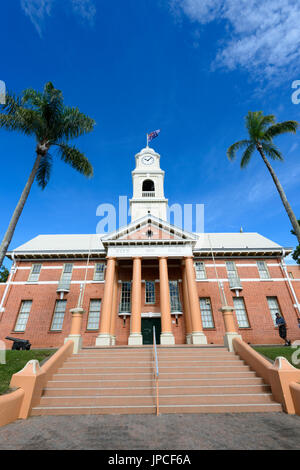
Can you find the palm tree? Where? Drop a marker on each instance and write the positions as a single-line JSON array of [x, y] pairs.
[[44, 116], [296, 253], [262, 129]]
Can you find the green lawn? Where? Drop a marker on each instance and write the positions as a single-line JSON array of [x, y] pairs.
[[273, 352], [16, 360]]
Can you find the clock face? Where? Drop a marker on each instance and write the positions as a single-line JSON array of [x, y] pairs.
[[148, 160]]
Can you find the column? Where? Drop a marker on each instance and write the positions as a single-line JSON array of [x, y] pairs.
[[186, 306], [114, 310], [75, 333], [104, 337], [166, 336], [230, 328], [198, 337], [135, 338]]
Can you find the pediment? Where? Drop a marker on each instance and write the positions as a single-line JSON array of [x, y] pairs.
[[149, 228]]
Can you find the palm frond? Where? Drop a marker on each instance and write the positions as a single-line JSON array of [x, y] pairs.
[[253, 124], [44, 170], [32, 97], [75, 158], [281, 128], [272, 151], [12, 103], [74, 123], [247, 155], [233, 149]]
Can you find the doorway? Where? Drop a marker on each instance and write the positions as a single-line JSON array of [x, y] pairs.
[[147, 330]]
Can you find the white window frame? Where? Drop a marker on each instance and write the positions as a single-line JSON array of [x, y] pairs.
[[58, 316], [150, 293], [175, 303], [99, 276], [232, 274], [264, 272], [200, 273], [23, 316], [206, 313], [241, 313], [125, 299], [34, 277], [66, 276], [94, 315], [273, 309]]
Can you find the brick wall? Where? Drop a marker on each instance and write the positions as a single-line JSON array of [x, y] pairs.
[[44, 297]]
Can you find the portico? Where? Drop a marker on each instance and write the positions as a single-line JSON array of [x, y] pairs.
[[188, 297]]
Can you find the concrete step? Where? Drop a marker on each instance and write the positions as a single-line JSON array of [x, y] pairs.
[[148, 390], [164, 409], [134, 368], [142, 400], [165, 361], [116, 383], [121, 381], [87, 375]]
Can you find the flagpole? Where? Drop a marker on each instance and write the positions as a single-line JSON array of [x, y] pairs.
[[147, 141]]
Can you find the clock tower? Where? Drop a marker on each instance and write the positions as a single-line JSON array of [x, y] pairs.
[[148, 186]]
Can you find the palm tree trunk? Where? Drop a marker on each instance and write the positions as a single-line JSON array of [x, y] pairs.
[[18, 210], [285, 202]]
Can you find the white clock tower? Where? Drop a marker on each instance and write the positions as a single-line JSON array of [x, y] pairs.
[[148, 186]]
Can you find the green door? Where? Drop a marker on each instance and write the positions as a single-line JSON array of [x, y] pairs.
[[147, 330]]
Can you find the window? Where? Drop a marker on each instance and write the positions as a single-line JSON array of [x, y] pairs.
[[99, 272], [150, 292], [273, 307], [23, 315], [240, 311], [148, 185], [233, 277], [125, 303], [263, 270], [206, 313], [174, 297], [34, 273], [59, 313], [94, 314], [200, 270], [66, 276]]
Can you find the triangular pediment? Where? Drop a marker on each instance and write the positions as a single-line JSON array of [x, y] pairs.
[[149, 228]]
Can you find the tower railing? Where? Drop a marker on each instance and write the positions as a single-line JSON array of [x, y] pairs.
[[148, 193]]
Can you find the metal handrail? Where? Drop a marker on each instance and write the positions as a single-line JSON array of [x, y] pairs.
[[156, 371]]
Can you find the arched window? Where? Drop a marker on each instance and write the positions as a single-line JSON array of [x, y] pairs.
[[148, 185]]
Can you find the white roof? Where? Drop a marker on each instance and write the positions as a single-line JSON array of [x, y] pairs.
[[86, 242], [62, 243], [234, 241]]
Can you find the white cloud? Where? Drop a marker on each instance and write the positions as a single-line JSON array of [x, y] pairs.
[[263, 37], [38, 10], [85, 9]]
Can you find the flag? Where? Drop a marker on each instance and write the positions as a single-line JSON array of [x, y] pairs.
[[153, 134]]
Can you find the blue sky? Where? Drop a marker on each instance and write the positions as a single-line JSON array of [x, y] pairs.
[[192, 68]]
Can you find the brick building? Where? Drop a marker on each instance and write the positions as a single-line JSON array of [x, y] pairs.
[[149, 273]]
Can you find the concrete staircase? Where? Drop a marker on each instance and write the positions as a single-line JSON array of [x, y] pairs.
[[120, 381]]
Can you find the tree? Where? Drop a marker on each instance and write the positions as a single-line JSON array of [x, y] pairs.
[[4, 273], [296, 254], [53, 124], [261, 130]]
